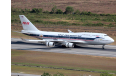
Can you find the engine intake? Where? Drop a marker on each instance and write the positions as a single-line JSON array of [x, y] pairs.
[[70, 45], [50, 44]]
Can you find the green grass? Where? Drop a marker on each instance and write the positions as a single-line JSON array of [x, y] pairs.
[[39, 71], [15, 53], [65, 67], [81, 19]]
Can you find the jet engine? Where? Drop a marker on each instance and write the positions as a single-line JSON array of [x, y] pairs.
[[70, 45], [50, 44]]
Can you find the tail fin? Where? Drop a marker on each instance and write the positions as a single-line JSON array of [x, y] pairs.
[[27, 25]]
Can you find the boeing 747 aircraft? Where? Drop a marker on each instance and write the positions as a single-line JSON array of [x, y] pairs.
[[62, 38]]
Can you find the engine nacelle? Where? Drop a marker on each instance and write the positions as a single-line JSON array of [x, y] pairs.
[[70, 45], [50, 44]]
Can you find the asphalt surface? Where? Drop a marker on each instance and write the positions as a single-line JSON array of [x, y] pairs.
[[22, 74], [96, 50]]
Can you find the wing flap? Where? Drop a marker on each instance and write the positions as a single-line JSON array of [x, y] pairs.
[[43, 40]]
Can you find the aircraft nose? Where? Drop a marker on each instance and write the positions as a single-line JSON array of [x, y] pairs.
[[112, 40]]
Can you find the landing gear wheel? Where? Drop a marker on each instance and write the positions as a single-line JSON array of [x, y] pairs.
[[103, 46], [74, 45], [63, 46]]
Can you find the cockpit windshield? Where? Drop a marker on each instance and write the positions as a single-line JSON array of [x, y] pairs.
[[105, 35]]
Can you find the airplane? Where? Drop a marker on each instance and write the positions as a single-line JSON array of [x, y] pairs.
[[69, 40]]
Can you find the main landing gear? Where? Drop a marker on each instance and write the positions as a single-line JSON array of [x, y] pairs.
[[103, 46]]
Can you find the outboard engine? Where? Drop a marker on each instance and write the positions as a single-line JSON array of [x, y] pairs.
[[70, 45], [50, 44]]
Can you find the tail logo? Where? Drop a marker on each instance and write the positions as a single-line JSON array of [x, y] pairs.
[[26, 23]]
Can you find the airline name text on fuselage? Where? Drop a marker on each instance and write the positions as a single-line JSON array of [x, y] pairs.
[[69, 35]]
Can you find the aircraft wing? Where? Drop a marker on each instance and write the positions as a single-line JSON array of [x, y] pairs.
[[56, 41], [43, 41]]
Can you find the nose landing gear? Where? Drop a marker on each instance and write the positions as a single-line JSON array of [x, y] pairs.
[[103, 46]]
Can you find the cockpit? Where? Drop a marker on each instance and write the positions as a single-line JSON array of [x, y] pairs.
[[105, 35]]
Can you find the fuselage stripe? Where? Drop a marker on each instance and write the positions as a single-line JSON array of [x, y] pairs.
[[61, 37], [67, 39]]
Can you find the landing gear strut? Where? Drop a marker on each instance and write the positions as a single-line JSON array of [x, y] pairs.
[[103, 46]]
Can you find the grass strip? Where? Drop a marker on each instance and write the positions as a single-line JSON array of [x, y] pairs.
[[62, 67], [64, 19], [39, 71], [59, 59]]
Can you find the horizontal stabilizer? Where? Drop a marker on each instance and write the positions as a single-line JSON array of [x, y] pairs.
[[70, 31], [17, 31]]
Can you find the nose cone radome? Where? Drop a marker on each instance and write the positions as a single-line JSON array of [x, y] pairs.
[[112, 40]]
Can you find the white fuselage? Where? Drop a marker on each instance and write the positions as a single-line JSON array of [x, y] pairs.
[[82, 37]]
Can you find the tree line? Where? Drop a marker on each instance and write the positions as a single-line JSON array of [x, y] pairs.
[[54, 10]]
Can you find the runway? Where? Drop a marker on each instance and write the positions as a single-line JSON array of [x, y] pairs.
[[95, 50], [22, 74]]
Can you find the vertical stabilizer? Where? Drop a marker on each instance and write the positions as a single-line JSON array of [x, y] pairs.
[[27, 25]]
